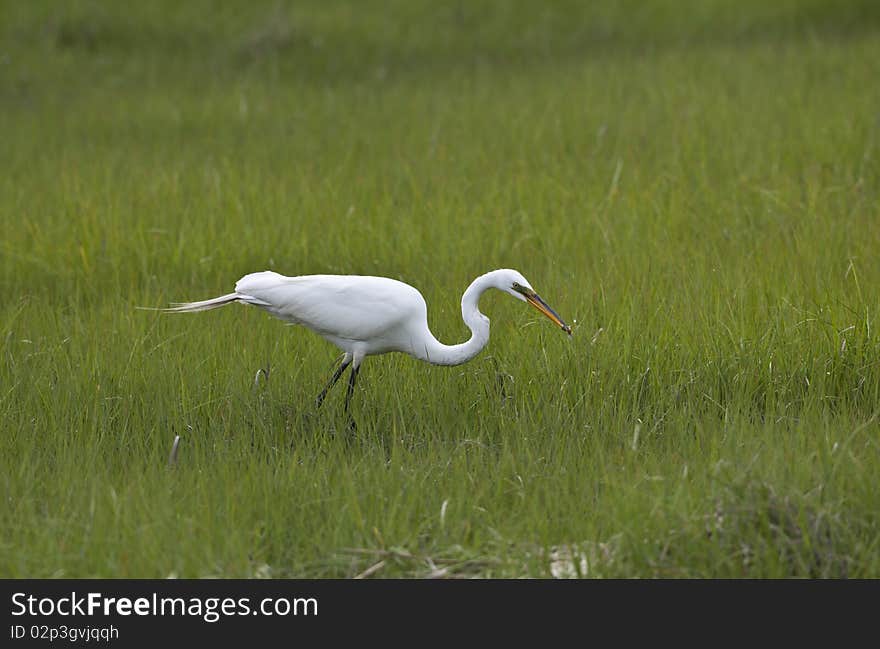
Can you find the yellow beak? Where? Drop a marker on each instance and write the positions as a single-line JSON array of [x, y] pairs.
[[535, 300]]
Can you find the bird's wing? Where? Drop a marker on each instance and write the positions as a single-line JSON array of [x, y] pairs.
[[355, 307]]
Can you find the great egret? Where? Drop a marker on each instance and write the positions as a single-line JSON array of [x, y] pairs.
[[365, 315]]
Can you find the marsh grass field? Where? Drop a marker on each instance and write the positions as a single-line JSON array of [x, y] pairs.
[[695, 186]]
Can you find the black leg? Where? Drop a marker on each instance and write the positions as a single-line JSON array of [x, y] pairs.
[[351, 381], [352, 426], [336, 375]]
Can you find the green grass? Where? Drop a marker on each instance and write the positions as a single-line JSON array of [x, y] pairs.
[[695, 185]]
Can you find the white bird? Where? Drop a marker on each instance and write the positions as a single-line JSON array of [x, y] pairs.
[[365, 315]]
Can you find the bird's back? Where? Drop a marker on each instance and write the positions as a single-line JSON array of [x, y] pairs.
[[374, 311]]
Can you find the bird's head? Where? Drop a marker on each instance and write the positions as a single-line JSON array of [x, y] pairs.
[[518, 286]]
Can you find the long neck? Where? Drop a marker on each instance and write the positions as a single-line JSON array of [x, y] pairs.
[[435, 352]]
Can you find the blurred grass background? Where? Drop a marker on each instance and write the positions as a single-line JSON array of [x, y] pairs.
[[694, 184]]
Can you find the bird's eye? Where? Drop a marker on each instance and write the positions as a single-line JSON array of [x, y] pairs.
[[519, 288]]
